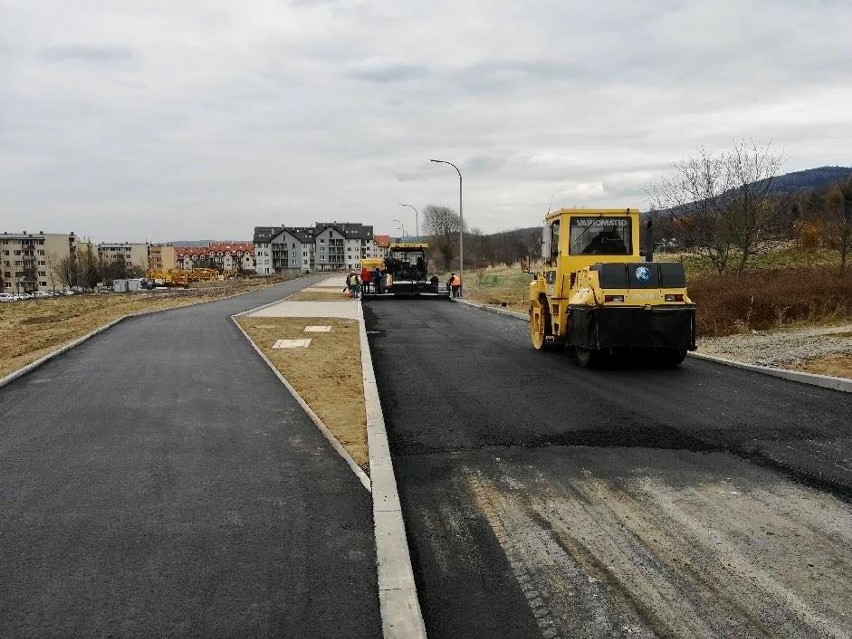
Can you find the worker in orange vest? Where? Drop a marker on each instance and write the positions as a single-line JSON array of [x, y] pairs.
[[455, 284]]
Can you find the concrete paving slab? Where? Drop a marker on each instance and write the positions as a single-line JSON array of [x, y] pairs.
[[345, 308], [292, 343], [317, 329]]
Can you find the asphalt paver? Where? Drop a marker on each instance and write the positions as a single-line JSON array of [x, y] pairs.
[[159, 481], [543, 499]]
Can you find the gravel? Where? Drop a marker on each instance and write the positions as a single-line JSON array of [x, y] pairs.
[[782, 349]]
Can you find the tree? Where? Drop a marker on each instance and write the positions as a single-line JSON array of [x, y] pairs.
[[65, 271], [442, 225], [723, 199], [836, 221], [88, 268], [51, 262]]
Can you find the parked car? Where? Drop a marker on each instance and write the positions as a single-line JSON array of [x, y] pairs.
[[7, 297]]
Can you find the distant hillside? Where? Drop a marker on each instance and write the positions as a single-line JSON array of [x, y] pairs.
[[787, 184], [809, 179]]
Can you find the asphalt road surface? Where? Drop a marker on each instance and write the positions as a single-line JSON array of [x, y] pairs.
[[159, 481], [542, 499]]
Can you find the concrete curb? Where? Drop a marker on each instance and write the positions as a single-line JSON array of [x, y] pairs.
[[74, 343], [360, 474], [400, 608], [824, 381]]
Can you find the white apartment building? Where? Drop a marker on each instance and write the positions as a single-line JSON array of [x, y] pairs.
[[326, 246], [29, 261], [292, 248]]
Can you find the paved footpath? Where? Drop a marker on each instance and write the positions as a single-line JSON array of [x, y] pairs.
[[159, 481]]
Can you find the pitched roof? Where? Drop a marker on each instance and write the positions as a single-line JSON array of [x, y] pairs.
[[382, 241], [233, 247], [305, 234], [349, 230], [262, 234]]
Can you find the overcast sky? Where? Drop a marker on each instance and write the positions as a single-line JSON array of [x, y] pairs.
[[160, 120]]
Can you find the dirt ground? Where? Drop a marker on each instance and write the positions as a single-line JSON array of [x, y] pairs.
[[832, 365], [318, 296], [327, 374], [33, 328]]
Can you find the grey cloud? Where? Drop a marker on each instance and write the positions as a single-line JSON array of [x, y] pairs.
[[389, 73], [87, 53], [218, 120]]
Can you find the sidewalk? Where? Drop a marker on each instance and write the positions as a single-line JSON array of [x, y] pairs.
[[345, 307], [400, 609], [170, 488]]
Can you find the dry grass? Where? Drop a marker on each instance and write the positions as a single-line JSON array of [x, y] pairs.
[[833, 365], [767, 299], [327, 374], [498, 286], [33, 328], [335, 295]]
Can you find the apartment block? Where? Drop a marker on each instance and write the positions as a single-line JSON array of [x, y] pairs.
[[225, 256], [162, 257], [326, 246], [30, 261], [132, 254]]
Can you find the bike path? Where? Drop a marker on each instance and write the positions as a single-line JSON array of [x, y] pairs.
[[158, 480]]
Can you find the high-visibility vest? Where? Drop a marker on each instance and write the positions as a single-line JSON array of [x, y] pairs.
[[456, 281]]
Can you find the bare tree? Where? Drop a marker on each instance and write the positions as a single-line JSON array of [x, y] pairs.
[[836, 221], [88, 268], [442, 225], [65, 271], [723, 199], [51, 262]]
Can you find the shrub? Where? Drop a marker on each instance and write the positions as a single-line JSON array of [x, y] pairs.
[[760, 300]]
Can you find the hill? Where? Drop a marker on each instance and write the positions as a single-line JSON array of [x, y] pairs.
[[808, 179]]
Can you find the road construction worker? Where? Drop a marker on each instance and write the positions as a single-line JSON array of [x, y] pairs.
[[455, 285], [353, 284], [377, 280], [365, 279]]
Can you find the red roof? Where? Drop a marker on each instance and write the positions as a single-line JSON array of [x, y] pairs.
[[215, 247], [382, 241]]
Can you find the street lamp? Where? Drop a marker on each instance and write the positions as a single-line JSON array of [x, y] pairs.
[[416, 219], [401, 226], [461, 225]]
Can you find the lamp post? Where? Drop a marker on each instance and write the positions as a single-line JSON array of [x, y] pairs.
[[416, 220], [401, 226], [461, 225]]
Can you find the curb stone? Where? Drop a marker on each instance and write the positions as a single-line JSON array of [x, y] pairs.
[[824, 381], [400, 608]]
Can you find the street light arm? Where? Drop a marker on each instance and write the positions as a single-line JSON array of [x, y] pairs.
[[416, 218], [451, 164]]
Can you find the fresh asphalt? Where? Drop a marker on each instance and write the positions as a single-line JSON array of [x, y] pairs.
[[158, 480], [463, 391]]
